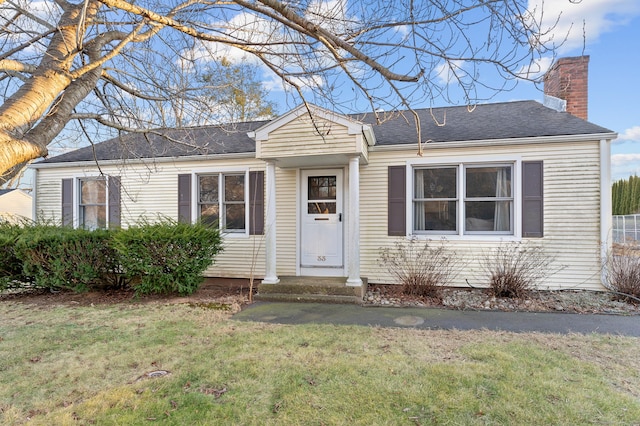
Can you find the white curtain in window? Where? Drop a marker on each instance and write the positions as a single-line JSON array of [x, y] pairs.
[[419, 213], [502, 220]]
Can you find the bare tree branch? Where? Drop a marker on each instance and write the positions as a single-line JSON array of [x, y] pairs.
[[127, 66]]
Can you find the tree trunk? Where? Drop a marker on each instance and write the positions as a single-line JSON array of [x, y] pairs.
[[29, 106]]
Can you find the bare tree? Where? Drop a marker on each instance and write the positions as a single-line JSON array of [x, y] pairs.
[[236, 93], [130, 66]]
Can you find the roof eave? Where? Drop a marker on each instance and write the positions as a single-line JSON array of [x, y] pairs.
[[501, 142], [181, 159]]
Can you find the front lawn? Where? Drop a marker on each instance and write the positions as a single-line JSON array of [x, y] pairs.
[[91, 365]]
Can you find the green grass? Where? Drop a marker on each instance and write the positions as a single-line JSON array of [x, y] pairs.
[[87, 365]]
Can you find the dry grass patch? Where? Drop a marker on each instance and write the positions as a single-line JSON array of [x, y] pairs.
[[87, 365]]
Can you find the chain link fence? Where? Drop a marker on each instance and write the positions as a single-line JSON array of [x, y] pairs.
[[626, 228]]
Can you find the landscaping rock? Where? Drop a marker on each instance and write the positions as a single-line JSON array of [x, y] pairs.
[[576, 301]]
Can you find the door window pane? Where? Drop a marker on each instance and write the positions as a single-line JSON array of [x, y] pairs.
[[321, 208], [322, 188]]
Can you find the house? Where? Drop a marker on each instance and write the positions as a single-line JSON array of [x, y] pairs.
[[316, 193], [15, 205]]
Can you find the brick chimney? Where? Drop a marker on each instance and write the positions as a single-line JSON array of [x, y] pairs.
[[568, 79]]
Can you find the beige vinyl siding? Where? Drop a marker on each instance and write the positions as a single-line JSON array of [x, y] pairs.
[[286, 220], [571, 211], [299, 138], [15, 206], [149, 189], [571, 202]]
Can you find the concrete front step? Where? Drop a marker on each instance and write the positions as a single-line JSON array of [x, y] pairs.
[[311, 289], [309, 298]]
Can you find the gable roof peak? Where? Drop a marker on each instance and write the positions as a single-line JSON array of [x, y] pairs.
[[314, 112]]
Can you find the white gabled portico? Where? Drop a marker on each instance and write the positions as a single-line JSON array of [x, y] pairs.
[[323, 152]]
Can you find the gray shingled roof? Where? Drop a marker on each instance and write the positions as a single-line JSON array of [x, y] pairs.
[[521, 119], [230, 139], [6, 191]]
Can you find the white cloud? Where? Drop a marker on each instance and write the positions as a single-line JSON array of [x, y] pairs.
[[618, 160], [330, 14], [632, 134], [624, 165], [447, 71], [273, 82], [536, 69], [583, 21], [282, 47]]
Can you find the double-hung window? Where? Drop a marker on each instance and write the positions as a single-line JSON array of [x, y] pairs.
[[435, 201], [488, 200], [92, 203], [463, 198], [222, 200]]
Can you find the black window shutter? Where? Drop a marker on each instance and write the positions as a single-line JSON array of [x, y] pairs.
[[256, 203], [184, 198], [397, 213], [532, 200], [67, 202], [114, 201]]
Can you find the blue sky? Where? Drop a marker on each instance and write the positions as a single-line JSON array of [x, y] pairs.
[[612, 40], [609, 32], [614, 92]]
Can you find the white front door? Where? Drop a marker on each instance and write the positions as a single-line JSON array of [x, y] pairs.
[[321, 220]]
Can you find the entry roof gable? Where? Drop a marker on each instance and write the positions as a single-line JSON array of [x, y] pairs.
[[353, 127]]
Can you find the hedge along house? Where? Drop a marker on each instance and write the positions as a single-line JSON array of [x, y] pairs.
[[315, 193]]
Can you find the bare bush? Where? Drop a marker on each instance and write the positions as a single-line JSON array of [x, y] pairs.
[[516, 268], [622, 272], [422, 268]]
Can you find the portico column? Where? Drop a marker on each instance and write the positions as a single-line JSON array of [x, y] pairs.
[[270, 276], [353, 264]]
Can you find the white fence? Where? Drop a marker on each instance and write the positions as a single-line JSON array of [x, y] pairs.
[[626, 228]]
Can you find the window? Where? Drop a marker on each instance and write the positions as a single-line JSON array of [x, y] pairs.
[[221, 199], [91, 202], [321, 195], [92, 205], [435, 199], [474, 199], [488, 202]]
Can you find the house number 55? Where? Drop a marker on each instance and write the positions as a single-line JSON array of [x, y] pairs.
[[322, 258]]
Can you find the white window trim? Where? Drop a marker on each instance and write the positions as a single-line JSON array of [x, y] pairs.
[[76, 197], [460, 163], [195, 196]]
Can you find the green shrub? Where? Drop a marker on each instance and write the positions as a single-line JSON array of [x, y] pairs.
[[422, 268], [66, 258], [167, 256], [11, 266]]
